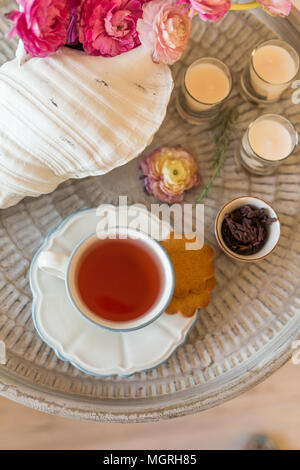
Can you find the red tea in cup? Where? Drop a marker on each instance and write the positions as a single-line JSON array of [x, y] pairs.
[[118, 279]]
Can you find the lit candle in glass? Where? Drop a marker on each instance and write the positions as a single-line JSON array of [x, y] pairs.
[[205, 86], [273, 66], [268, 141]]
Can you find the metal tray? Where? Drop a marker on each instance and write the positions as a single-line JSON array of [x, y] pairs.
[[247, 331]]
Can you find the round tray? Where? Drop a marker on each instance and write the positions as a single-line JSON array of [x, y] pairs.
[[246, 332]]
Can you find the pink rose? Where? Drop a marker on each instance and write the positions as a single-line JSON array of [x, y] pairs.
[[42, 25], [108, 27], [210, 10], [164, 29], [168, 172], [277, 7]]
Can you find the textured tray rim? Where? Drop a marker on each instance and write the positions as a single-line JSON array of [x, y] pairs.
[[76, 407], [68, 407]]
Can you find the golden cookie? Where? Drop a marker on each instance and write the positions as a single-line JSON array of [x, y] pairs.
[[191, 267], [194, 276], [188, 305]]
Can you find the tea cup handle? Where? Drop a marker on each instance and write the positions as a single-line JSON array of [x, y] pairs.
[[53, 263]]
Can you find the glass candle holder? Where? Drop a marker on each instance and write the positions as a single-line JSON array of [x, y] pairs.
[[273, 66], [206, 84], [268, 141]]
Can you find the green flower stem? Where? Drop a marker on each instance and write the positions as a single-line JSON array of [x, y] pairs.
[[223, 127]]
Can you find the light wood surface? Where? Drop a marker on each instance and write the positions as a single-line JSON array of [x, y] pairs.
[[271, 407]]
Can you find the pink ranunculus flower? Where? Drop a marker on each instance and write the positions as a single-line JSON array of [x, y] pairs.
[[208, 10], [168, 172], [165, 29], [277, 7], [108, 27], [42, 25]]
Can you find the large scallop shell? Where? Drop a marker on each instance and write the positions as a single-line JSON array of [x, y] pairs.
[[72, 115]]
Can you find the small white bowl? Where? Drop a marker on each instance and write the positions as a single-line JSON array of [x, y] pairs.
[[274, 228]]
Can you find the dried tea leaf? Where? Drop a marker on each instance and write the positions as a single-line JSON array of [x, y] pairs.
[[245, 229]]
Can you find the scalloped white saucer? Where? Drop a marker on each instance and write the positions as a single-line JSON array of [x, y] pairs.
[[74, 338]]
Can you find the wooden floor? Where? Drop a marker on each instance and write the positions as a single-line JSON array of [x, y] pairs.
[[272, 407]]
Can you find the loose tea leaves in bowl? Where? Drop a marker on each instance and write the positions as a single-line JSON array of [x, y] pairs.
[[245, 230]]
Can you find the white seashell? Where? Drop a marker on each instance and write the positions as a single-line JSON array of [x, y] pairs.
[[72, 115]]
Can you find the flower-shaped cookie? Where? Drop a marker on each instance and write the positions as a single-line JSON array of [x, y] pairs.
[[194, 276], [188, 305]]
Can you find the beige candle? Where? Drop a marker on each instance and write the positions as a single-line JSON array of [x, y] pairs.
[[268, 141], [207, 83], [274, 64]]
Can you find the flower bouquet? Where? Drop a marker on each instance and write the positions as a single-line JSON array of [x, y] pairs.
[[111, 27]]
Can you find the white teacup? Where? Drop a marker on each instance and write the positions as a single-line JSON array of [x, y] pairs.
[[64, 267]]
